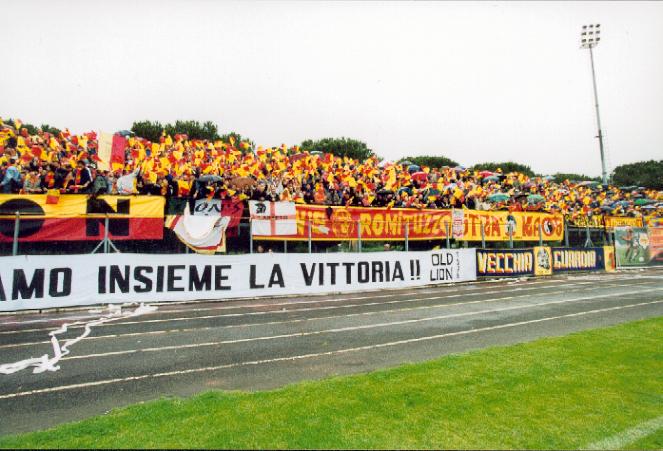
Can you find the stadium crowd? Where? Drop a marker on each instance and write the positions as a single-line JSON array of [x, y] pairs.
[[182, 167]]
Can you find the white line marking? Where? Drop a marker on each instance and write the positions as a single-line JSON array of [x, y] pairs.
[[270, 323], [294, 303], [313, 355], [310, 309], [628, 436], [44, 363], [348, 328]]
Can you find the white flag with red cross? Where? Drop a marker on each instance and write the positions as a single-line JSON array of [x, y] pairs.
[[273, 218]]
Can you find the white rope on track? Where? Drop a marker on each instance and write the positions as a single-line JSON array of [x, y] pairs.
[[46, 363]]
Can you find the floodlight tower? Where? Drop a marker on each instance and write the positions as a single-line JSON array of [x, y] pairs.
[[589, 38]]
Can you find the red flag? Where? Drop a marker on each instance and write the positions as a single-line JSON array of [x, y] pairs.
[[117, 151]]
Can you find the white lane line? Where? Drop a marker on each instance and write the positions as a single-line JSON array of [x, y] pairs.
[[329, 307], [463, 287], [292, 304], [629, 436], [346, 329], [270, 323], [319, 318], [313, 355], [353, 298]]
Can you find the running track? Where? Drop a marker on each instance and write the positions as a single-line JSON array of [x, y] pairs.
[[182, 349]]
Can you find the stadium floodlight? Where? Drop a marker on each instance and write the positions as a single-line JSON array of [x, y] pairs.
[[590, 36]]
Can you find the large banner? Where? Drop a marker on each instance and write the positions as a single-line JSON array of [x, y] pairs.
[[379, 224], [522, 226], [639, 246], [578, 259], [79, 217], [35, 282], [514, 262]]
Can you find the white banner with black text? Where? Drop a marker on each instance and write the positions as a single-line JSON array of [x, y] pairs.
[[47, 281]]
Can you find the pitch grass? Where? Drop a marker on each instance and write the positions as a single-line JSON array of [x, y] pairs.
[[561, 393]]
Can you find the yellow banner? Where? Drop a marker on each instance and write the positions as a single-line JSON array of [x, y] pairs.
[[620, 221], [601, 221], [104, 150], [523, 226], [542, 261], [587, 221], [609, 258], [81, 205]]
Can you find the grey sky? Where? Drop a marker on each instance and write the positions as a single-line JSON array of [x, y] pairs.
[[472, 81]]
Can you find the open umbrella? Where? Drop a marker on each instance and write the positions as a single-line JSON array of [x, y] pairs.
[[315, 152], [242, 182], [209, 178], [384, 163], [459, 168], [644, 202], [420, 176], [485, 173], [405, 189], [405, 163], [535, 199], [498, 197], [125, 133], [549, 177], [413, 168], [492, 178]]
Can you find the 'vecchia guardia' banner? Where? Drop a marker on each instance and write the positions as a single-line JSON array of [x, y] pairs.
[[44, 281]]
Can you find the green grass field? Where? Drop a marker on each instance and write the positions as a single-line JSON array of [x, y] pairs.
[[565, 392]]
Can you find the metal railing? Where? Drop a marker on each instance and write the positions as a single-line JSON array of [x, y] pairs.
[[245, 241]]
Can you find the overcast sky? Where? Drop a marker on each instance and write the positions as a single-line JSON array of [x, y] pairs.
[[471, 81]]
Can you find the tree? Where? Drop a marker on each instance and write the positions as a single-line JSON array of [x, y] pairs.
[[340, 147], [193, 129], [148, 130], [32, 130], [431, 161], [507, 166], [642, 173], [561, 177], [48, 129], [237, 138]]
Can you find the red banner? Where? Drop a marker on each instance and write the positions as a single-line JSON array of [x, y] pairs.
[[81, 229], [379, 224], [77, 217]]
